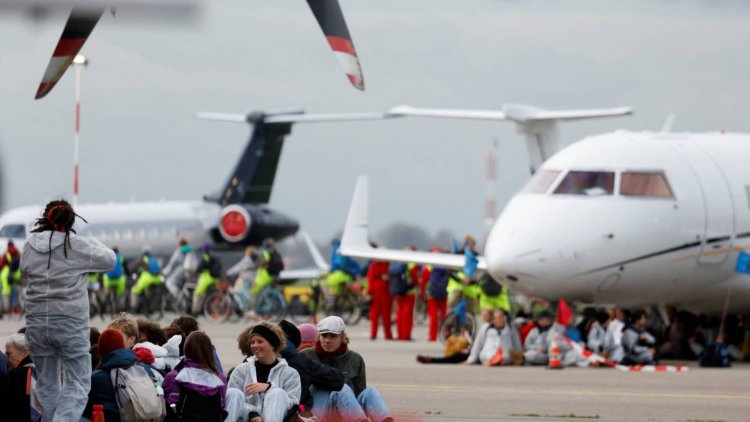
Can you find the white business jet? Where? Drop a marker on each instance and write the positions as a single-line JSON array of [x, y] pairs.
[[625, 218], [234, 217]]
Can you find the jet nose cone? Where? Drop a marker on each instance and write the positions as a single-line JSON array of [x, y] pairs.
[[513, 254]]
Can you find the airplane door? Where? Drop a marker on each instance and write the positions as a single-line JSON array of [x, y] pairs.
[[718, 204]]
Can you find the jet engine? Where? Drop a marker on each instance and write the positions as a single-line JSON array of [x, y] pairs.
[[250, 224]]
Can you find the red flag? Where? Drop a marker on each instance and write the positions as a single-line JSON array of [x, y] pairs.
[[564, 314]]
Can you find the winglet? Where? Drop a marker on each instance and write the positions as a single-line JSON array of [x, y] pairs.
[[317, 257]]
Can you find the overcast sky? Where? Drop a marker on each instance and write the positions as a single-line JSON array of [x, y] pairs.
[[140, 141]]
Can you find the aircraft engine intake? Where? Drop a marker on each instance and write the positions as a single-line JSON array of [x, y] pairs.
[[250, 224]]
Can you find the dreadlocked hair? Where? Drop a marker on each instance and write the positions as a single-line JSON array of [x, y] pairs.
[[58, 216]]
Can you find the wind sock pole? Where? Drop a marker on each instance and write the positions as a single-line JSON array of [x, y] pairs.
[[79, 62]]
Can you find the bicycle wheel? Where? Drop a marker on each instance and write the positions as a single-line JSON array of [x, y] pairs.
[[451, 326], [302, 308], [217, 307], [346, 307], [271, 305]]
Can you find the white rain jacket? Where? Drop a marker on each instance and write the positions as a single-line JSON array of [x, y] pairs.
[[61, 289], [490, 338], [282, 376]]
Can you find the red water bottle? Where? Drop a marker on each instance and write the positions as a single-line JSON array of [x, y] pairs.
[[98, 414]]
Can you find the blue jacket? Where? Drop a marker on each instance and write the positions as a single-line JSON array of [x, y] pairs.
[[102, 391], [343, 263]]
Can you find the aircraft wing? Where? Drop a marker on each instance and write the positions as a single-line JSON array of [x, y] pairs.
[[301, 274], [77, 30], [331, 20], [355, 241]]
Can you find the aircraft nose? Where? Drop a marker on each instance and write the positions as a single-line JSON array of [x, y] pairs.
[[513, 255]]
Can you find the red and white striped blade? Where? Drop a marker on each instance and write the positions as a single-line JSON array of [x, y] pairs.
[[331, 20], [77, 30]]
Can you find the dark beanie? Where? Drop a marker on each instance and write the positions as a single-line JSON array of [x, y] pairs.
[[111, 339], [266, 333], [291, 332]]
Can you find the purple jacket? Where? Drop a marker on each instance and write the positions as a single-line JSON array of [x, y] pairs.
[[190, 374]]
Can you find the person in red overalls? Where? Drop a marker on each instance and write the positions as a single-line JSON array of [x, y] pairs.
[[405, 303], [380, 305]]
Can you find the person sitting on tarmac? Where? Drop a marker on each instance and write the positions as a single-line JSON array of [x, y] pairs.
[[209, 271], [115, 279], [457, 349], [637, 342], [311, 372], [537, 343], [595, 340], [174, 271], [270, 386], [497, 343], [149, 275], [308, 336], [332, 348]]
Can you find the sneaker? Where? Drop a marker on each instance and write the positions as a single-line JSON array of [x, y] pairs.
[[423, 359]]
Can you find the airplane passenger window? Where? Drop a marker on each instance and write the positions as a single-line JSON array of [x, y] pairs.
[[541, 181], [652, 184], [15, 231], [591, 183]]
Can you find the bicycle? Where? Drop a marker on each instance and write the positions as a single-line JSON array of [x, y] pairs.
[[459, 317], [222, 303], [270, 303], [347, 304]]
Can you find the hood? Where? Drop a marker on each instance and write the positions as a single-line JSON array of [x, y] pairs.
[[12, 249], [172, 346], [41, 242], [118, 358], [157, 351]]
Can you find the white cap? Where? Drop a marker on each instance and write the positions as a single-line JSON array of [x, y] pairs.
[[331, 324]]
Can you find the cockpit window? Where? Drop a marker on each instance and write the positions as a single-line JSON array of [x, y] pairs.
[[653, 184], [15, 231], [590, 183], [541, 181]]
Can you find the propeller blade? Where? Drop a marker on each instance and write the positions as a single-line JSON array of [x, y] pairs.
[[78, 28], [331, 20]]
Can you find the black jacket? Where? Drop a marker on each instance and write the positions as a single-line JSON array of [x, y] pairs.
[[312, 373], [20, 402]]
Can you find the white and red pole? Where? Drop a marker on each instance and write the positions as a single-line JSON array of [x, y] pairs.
[[490, 203], [79, 62]]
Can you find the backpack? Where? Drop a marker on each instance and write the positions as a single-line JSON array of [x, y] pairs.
[[153, 265], [35, 406], [214, 267], [194, 407], [14, 265], [136, 395], [275, 263], [398, 285], [715, 355], [438, 286], [490, 287], [190, 264]]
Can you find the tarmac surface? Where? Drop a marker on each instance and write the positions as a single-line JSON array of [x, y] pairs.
[[418, 392]]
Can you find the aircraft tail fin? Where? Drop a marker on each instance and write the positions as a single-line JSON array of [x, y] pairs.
[[539, 125], [355, 240], [252, 179]]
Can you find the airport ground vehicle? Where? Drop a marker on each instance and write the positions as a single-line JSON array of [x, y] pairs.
[[348, 303]]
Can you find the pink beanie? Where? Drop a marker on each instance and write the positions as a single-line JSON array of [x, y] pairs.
[[308, 332]]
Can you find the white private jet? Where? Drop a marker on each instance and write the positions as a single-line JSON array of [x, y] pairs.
[[624, 218]]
